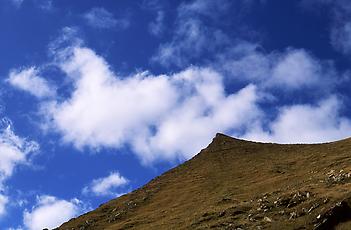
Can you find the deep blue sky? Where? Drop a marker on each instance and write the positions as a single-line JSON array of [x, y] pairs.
[[99, 97]]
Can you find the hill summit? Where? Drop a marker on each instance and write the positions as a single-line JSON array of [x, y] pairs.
[[236, 184]]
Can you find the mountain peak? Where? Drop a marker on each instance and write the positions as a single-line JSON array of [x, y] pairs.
[[222, 141], [222, 136]]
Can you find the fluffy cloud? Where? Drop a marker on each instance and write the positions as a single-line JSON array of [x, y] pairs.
[[191, 125], [107, 185], [30, 81], [103, 19], [297, 68], [100, 98], [291, 69], [50, 212], [160, 117], [305, 124]]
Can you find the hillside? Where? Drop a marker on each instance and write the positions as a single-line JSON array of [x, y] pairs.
[[235, 184]]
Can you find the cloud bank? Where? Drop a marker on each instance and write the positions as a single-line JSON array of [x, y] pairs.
[[159, 117], [173, 116]]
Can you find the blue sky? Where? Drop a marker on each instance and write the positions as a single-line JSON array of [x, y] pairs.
[[99, 97]]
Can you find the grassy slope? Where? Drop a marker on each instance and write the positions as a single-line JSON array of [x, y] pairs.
[[234, 183]]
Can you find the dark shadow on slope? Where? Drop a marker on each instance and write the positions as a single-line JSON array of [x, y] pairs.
[[339, 213]]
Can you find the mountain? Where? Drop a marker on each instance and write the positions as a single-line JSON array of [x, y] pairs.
[[236, 184]]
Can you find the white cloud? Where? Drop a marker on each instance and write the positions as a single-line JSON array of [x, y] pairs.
[[50, 212], [305, 124], [289, 70], [160, 117], [245, 61], [108, 100], [30, 81], [297, 68], [69, 37], [107, 185], [191, 125], [14, 151], [103, 19]]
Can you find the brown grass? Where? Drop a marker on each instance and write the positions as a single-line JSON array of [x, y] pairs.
[[235, 184]]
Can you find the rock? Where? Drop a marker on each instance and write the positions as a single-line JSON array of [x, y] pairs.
[[337, 178], [252, 219], [293, 215], [221, 214], [267, 219], [314, 206], [307, 195]]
